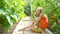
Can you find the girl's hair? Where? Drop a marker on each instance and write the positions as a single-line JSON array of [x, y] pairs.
[[40, 8]]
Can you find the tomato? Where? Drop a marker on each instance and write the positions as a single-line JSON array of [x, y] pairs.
[[52, 16]]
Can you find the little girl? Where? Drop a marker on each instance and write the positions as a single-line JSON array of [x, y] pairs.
[[41, 20]]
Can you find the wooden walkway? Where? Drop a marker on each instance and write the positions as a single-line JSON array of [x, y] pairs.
[[22, 24]]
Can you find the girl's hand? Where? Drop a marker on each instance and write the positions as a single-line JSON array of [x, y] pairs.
[[37, 19]]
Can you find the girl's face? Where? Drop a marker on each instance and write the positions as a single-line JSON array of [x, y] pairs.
[[38, 12]]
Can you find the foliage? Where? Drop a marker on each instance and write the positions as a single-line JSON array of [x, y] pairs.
[[11, 11], [52, 9], [27, 8]]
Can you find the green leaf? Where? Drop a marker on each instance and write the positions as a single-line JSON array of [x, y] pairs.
[[9, 19], [2, 12]]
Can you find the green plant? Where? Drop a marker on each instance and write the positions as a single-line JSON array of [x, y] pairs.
[[11, 11], [27, 8]]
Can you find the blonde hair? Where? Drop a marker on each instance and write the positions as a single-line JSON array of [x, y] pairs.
[[40, 8]]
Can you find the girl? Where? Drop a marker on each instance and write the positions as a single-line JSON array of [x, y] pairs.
[[41, 20]]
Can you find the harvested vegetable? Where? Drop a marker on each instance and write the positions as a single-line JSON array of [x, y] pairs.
[[37, 30]]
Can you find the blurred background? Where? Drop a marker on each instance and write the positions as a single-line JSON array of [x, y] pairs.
[[11, 12]]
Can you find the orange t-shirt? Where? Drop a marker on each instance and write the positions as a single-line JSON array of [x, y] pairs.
[[43, 22]]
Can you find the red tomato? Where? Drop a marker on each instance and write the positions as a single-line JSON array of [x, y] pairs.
[[52, 17]]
